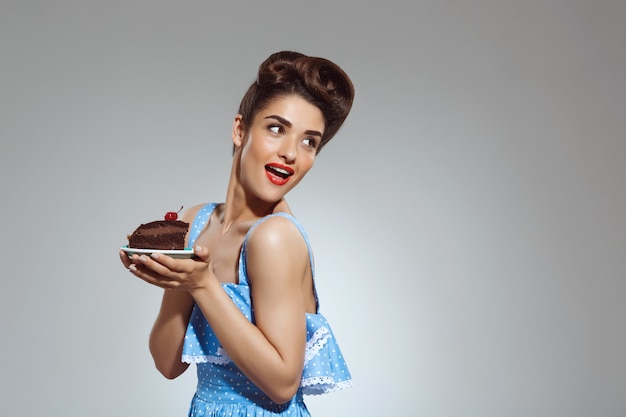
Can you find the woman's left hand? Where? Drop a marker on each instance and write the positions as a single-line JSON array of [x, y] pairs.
[[170, 273]]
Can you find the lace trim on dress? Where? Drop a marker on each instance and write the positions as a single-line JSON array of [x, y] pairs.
[[215, 360], [221, 358], [317, 342]]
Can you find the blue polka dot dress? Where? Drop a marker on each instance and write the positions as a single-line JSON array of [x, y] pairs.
[[223, 390]]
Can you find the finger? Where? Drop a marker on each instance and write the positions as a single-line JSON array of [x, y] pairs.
[[201, 253], [125, 259], [158, 264], [140, 270], [172, 264]]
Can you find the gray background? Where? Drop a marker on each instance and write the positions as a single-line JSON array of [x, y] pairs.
[[469, 220]]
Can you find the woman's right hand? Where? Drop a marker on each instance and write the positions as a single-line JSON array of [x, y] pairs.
[[169, 273]]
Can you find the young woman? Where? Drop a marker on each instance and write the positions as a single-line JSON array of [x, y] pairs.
[[245, 309]]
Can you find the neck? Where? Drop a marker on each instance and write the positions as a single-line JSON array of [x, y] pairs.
[[240, 207]]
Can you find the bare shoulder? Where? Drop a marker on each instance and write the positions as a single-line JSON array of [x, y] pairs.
[[278, 235]]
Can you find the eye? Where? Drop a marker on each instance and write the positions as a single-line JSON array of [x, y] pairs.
[[276, 129], [310, 143]]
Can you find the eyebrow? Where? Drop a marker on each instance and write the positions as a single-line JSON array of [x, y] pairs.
[[288, 124]]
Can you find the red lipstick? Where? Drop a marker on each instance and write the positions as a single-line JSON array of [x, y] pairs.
[[278, 174]]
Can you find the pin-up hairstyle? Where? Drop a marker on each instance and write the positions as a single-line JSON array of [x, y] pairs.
[[317, 80]]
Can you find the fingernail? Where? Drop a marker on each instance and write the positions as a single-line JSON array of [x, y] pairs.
[[132, 267], [154, 256], [143, 258], [198, 247]]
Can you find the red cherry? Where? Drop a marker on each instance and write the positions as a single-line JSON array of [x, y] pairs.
[[172, 215]]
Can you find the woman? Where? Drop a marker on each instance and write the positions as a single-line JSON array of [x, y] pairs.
[[245, 310]]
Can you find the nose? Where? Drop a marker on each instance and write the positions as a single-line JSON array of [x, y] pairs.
[[287, 151]]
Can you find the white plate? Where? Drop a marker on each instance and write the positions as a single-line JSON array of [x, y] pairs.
[[184, 253]]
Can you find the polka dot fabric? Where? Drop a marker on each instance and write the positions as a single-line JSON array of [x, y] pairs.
[[223, 390]]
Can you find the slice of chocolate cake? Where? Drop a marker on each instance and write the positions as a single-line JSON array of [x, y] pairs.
[[160, 234]]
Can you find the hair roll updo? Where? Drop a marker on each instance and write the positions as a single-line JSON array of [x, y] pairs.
[[317, 80]]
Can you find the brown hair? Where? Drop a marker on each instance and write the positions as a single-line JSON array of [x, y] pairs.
[[317, 80]]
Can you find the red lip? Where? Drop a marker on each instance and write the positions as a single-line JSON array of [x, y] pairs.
[[277, 173]]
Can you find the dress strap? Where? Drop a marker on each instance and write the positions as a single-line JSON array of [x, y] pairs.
[[202, 217], [243, 271]]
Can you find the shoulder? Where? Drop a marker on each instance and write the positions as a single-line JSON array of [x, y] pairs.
[[278, 235], [277, 255], [275, 229]]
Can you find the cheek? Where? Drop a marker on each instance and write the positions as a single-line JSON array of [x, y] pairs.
[[258, 145], [307, 163]]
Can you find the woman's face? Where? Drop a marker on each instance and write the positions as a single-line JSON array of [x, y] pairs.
[[279, 146]]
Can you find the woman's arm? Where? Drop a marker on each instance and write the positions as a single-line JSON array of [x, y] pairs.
[[168, 333], [270, 353]]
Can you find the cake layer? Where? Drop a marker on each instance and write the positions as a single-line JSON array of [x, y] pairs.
[[160, 234]]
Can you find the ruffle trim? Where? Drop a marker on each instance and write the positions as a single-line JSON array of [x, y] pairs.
[[310, 385]]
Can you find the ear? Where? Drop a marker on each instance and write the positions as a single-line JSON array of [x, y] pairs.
[[239, 130]]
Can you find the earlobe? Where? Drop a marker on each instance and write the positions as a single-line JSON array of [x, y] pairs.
[[238, 130]]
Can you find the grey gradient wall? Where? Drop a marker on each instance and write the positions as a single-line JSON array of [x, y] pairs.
[[469, 220]]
